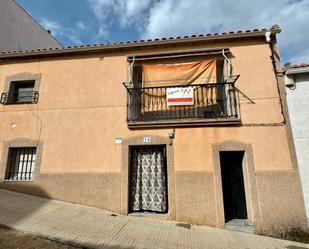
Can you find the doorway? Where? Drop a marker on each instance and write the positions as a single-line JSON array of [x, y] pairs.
[[148, 179], [234, 197]]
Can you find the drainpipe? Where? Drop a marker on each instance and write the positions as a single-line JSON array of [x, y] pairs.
[[228, 64], [130, 72], [227, 90]]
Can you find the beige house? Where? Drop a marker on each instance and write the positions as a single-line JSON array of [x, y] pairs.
[[192, 129]]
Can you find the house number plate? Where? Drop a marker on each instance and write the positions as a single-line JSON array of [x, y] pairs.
[[147, 139]]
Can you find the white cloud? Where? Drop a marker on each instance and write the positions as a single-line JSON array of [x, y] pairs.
[[164, 18], [300, 56], [124, 13], [134, 12], [58, 30], [103, 32], [53, 26], [183, 17], [75, 39], [81, 25]]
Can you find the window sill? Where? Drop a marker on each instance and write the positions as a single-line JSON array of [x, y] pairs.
[[7, 180], [19, 103]]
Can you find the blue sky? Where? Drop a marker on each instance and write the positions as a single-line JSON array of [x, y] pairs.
[[75, 22]]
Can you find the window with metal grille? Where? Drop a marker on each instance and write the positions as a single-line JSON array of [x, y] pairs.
[[21, 164], [20, 92]]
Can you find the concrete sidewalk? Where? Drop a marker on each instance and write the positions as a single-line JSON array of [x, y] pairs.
[[94, 228]]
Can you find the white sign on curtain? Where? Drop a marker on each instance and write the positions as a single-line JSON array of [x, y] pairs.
[[176, 96]]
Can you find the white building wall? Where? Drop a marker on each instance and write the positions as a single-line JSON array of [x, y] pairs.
[[298, 104]]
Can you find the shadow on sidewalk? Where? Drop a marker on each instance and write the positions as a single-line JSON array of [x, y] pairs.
[[17, 203]]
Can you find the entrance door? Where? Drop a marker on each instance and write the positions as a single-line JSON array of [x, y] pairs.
[[233, 185], [148, 179]]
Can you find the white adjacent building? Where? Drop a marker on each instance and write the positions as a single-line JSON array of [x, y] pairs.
[[297, 87]]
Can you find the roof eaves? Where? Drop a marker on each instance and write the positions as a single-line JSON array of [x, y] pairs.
[[296, 68], [141, 43], [299, 70]]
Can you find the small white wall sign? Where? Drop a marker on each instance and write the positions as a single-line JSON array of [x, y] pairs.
[[147, 140], [118, 140]]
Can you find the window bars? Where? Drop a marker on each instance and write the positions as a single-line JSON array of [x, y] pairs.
[[19, 97], [21, 164]]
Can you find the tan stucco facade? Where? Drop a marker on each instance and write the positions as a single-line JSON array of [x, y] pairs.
[[82, 110]]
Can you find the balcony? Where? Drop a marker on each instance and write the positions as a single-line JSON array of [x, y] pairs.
[[19, 97], [200, 104]]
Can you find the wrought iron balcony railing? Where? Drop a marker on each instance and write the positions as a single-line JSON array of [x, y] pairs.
[[205, 103], [19, 97]]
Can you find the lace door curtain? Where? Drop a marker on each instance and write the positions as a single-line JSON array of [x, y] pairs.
[[148, 180]]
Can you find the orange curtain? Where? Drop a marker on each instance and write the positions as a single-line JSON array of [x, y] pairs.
[[200, 72]]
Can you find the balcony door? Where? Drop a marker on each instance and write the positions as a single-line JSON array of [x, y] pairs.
[[148, 179]]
